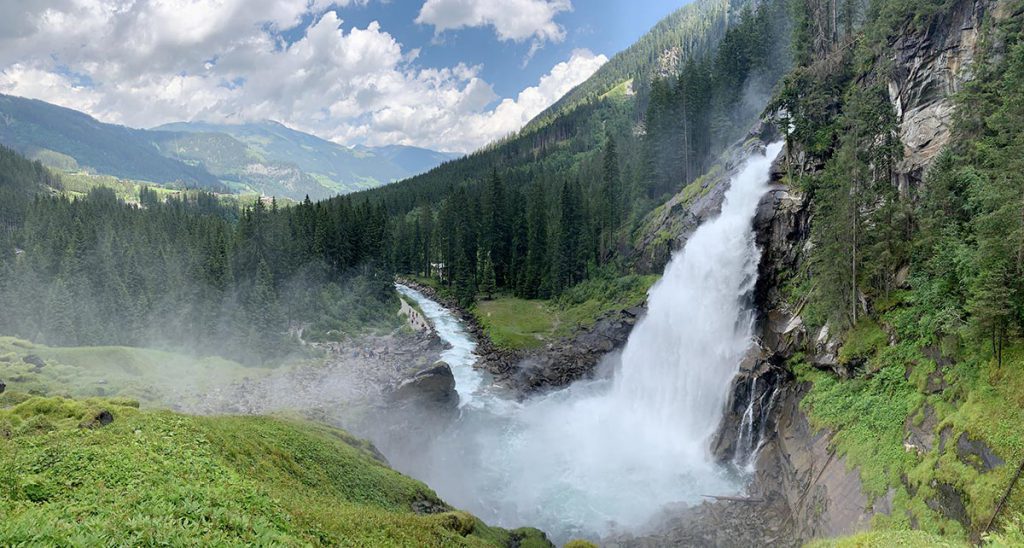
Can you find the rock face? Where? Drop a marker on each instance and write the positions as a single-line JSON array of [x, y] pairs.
[[824, 497], [750, 412], [668, 227], [929, 68]]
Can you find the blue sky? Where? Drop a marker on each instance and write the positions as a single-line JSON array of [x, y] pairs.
[[602, 26], [445, 74]]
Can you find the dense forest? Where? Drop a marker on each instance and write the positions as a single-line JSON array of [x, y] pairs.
[[187, 271]]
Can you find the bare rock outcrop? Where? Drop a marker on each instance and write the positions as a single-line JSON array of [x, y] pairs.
[[929, 67]]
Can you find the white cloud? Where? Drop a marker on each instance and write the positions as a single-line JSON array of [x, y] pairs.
[[146, 62], [512, 19]]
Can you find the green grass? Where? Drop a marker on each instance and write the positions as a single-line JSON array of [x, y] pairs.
[[156, 477], [154, 377], [864, 341], [514, 323], [887, 539]]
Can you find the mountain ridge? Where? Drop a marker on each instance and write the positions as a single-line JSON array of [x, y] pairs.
[[266, 157]]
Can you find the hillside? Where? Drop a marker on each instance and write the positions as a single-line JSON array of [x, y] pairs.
[[551, 207], [692, 31], [103, 472], [68, 139]]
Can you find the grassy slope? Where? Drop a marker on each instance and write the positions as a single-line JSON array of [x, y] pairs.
[[158, 477]]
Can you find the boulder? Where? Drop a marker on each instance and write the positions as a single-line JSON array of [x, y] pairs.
[[35, 360], [826, 351], [3, 387], [977, 454], [99, 420], [432, 388]]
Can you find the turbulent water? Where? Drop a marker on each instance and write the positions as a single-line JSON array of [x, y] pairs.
[[605, 456]]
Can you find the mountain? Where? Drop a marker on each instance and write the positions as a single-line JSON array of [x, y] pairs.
[[691, 31], [303, 160], [69, 139], [264, 157]]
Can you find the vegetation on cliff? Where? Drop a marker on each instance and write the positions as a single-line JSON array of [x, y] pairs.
[[923, 278]]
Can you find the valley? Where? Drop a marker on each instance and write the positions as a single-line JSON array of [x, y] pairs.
[[757, 281]]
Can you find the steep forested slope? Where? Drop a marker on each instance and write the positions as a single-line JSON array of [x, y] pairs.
[[892, 293], [548, 208]]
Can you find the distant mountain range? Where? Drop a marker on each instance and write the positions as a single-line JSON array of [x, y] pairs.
[[264, 157]]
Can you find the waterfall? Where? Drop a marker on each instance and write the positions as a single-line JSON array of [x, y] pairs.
[[603, 456]]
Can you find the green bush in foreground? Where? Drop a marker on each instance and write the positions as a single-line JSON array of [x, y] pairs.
[[162, 478]]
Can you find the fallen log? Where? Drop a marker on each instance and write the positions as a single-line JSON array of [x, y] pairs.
[[734, 499]]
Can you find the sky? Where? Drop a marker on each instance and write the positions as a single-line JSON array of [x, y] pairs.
[[448, 75]]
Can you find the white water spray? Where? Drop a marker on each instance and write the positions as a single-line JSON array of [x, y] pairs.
[[603, 456]]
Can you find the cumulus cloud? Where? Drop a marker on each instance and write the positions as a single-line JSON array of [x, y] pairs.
[[146, 62], [512, 19]]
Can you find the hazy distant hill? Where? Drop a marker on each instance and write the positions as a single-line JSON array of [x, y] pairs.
[[265, 157], [69, 139], [335, 168]]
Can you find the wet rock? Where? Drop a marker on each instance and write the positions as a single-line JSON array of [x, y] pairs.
[[3, 387], [433, 387], [35, 360], [920, 438], [750, 410], [977, 454], [757, 522], [798, 465], [948, 502]]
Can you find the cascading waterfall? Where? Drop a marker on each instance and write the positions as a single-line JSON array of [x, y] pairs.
[[757, 412], [745, 442], [602, 456]]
